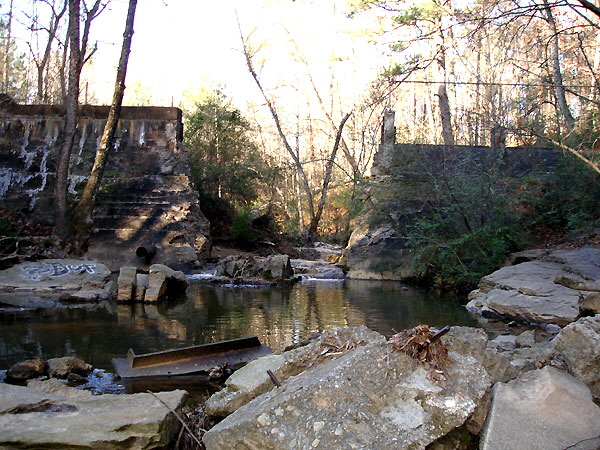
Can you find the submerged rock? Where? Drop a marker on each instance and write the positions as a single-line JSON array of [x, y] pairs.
[[26, 370], [49, 415], [542, 410]]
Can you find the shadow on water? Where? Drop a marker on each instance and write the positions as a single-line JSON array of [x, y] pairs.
[[278, 316]]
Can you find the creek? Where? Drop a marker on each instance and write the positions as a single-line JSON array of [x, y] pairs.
[[211, 313]]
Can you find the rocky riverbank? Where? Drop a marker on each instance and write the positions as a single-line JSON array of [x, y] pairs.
[[354, 388]]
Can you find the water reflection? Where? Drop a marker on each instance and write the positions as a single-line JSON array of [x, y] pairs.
[[278, 316]]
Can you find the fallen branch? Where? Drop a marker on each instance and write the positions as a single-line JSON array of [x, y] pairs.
[[198, 441]]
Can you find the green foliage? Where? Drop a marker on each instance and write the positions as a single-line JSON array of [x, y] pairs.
[[474, 225], [228, 170], [225, 161], [243, 230], [18, 84], [453, 259], [569, 200]]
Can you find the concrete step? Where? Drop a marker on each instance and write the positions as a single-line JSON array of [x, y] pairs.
[[130, 209]]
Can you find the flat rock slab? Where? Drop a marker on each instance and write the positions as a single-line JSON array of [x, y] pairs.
[[542, 410], [369, 398], [55, 416], [53, 278], [531, 291]]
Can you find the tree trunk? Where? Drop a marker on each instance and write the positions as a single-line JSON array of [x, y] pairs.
[[43, 63], [6, 78], [71, 116], [82, 215], [295, 157], [314, 222], [559, 88]]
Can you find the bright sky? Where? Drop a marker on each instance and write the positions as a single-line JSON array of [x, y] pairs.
[[182, 44]]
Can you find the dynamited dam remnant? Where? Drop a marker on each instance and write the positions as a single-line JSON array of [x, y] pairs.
[[147, 199]]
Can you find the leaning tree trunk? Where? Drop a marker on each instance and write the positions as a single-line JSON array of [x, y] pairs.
[[314, 222], [71, 116], [83, 213]]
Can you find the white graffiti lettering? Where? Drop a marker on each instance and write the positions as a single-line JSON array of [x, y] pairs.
[[55, 269]]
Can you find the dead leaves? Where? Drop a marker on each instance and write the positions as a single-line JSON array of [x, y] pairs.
[[420, 343]]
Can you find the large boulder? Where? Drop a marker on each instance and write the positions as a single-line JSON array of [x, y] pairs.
[[68, 365], [255, 269], [50, 415], [579, 345], [152, 287], [253, 380], [55, 279], [540, 291], [370, 397], [542, 410]]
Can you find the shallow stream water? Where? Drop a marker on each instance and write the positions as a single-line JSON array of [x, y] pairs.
[[210, 313]]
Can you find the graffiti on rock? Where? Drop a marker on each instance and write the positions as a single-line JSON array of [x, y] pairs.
[[56, 269]]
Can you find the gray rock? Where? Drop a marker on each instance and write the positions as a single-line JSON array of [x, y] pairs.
[[371, 397], [141, 284], [527, 292], [231, 267], [176, 277], [579, 345], [157, 287], [126, 283], [321, 270], [542, 410], [277, 267], [466, 341], [252, 380], [474, 342], [54, 416], [504, 342], [378, 253], [583, 263], [529, 358], [63, 367], [501, 358], [55, 279], [526, 339]]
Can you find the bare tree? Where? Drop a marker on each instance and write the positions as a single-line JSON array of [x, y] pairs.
[[41, 61], [559, 85], [82, 215], [78, 55], [315, 215]]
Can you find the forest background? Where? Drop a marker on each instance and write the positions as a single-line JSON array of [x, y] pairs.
[[283, 103]]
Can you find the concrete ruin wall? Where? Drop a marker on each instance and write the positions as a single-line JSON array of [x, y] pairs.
[[401, 186], [147, 196]]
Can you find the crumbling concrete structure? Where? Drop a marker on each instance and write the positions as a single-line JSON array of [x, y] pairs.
[[147, 197]]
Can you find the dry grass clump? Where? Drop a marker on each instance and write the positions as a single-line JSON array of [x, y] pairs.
[[422, 344]]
